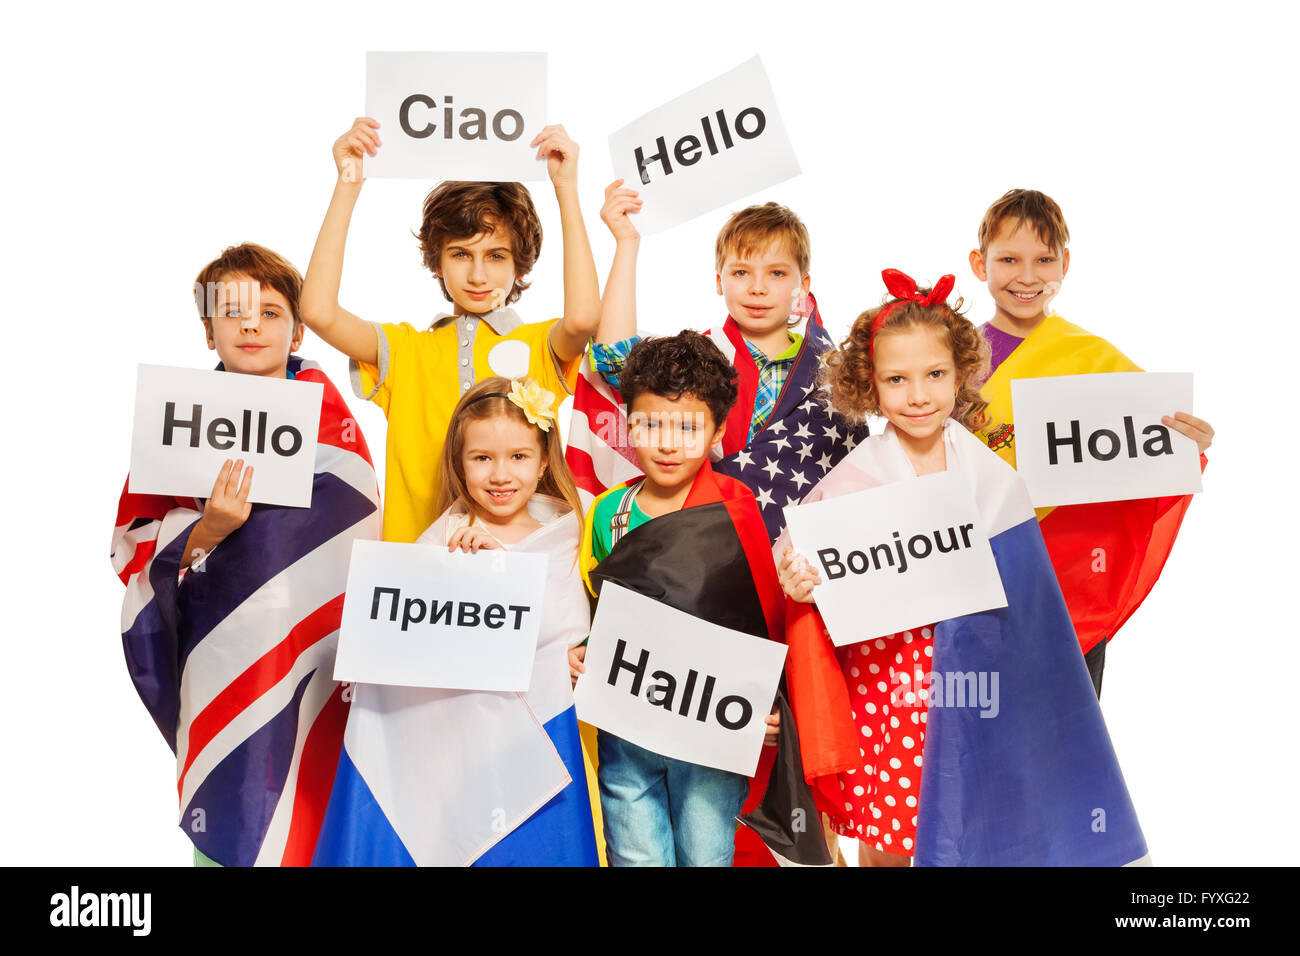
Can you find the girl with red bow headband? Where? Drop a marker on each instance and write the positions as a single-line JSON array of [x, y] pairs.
[[1005, 791], [856, 390], [918, 362]]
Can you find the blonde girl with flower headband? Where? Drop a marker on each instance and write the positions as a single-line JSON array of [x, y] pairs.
[[499, 775], [502, 447]]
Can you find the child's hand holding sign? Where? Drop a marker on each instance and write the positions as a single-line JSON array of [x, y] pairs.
[[797, 576], [223, 514], [352, 147], [1197, 429], [561, 155]]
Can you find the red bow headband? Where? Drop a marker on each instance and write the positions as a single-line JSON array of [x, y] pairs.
[[903, 288]]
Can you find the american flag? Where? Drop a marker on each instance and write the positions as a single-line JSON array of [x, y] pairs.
[[800, 442], [234, 658]]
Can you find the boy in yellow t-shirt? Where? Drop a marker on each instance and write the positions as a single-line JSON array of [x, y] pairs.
[[479, 240]]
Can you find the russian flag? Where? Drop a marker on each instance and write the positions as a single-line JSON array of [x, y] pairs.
[[432, 777]]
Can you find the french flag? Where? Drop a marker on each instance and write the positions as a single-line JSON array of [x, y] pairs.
[[1033, 782]]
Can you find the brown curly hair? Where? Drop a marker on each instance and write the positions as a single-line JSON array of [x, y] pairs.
[[462, 210], [687, 363], [849, 378]]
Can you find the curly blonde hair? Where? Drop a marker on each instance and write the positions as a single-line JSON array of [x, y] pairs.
[[848, 377]]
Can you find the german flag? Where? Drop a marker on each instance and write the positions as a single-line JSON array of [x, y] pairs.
[[712, 560], [1107, 555]]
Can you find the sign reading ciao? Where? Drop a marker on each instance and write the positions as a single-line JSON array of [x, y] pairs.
[[1086, 438], [456, 115], [189, 421], [677, 685], [903, 555], [418, 615], [717, 143]]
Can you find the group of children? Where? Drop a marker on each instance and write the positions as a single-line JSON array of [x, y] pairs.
[[232, 609]]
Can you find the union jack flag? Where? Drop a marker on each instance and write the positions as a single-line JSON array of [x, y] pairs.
[[234, 658]]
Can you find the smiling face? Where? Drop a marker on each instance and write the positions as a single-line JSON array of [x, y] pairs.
[[760, 288], [1023, 274], [503, 462], [476, 269], [672, 438], [252, 328], [916, 381]]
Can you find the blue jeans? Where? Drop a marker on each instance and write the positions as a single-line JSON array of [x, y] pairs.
[[664, 812]]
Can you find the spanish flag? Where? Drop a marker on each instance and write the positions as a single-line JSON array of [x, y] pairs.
[[1107, 555]]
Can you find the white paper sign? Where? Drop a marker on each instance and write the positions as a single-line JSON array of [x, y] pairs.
[[903, 555], [189, 421], [677, 685], [708, 147], [1084, 438], [456, 115], [418, 615]]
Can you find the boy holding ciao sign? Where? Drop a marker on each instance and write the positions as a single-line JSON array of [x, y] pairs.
[[479, 240], [1107, 555], [232, 609]]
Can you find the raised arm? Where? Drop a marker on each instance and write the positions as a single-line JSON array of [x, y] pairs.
[[319, 306], [581, 287], [618, 304]]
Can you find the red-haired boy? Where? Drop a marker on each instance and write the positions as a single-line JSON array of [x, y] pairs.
[[232, 609]]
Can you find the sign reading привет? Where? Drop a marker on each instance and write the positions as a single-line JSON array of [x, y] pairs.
[[903, 555], [417, 615], [188, 422], [456, 115], [708, 147], [1086, 438], [677, 685]]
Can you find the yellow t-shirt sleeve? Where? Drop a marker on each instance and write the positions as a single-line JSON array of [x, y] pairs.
[[545, 366], [374, 382]]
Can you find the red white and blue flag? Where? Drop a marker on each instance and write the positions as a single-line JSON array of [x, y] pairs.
[[1032, 779], [234, 658], [800, 442]]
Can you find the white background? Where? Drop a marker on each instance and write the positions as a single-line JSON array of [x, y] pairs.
[[142, 139]]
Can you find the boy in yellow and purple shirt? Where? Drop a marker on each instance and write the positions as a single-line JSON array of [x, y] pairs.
[[1023, 257], [479, 240]]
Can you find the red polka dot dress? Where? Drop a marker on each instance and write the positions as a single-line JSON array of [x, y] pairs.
[[888, 680]]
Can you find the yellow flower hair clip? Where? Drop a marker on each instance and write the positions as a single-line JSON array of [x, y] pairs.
[[537, 403]]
